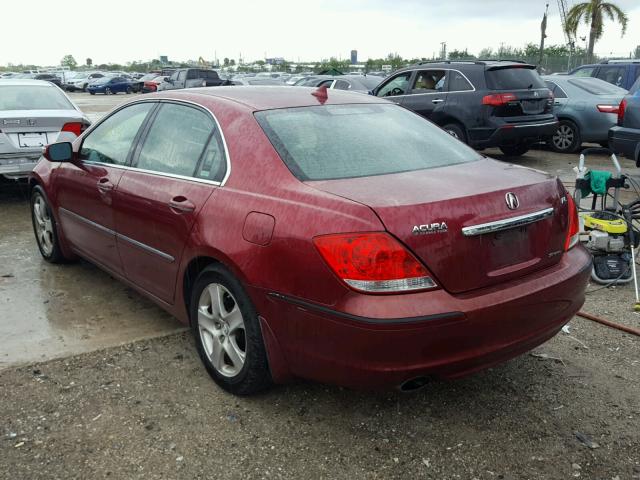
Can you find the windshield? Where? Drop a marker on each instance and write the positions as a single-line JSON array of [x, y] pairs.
[[596, 86], [33, 97], [513, 78], [347, 141]]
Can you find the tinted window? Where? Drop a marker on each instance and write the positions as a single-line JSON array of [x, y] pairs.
[[514, 78], [596, 87], [175, 140], [111, 141], [193, 74], [555, 89], [584, 72], [458, 83], [345, 141], [613, 75], [33, 97], [635, 88], [211, 75], [398, 85]]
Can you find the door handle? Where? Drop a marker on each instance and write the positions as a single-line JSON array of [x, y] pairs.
[[437, 100], [104, 185], [181, 205]]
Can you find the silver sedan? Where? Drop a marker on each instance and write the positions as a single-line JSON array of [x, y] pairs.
[[586, 109], [33, 113]]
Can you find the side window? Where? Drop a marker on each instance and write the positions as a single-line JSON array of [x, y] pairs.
[[181, 75], [174, 75], [110, 142], [458, 82], [585, 72], [398, 85], [613, 75], [555, 89], [342, 85], [192, 74], [326, 83], [176, 140], [213, 165], [428, 81]]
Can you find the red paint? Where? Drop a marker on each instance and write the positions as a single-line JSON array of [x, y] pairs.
[[500, 295]]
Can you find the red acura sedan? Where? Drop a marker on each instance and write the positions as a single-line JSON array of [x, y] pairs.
[[329, 236]]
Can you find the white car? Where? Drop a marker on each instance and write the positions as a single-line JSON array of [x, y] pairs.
[[81, 81]]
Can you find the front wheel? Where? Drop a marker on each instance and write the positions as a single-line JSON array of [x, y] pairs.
[[514, 150], [45, 227], [129, 90], [92, 93], [107, 91], [227, 333], [566, 139]]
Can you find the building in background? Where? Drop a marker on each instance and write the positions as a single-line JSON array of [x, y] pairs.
[[354, 57]]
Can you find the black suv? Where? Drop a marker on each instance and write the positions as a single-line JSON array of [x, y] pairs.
[[488, 103]]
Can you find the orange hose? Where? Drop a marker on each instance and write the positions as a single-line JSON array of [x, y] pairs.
[[624, 328]]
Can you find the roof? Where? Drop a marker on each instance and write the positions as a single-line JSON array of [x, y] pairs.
[[272, 97], [26, 81]]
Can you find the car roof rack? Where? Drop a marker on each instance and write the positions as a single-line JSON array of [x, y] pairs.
[[471, 62], [621, 60]]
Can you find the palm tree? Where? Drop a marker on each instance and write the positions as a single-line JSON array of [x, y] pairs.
[[592, 12]]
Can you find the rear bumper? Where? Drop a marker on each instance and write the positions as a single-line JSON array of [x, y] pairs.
[[455, 335], [625, 141], [18, 165], [512, 133]]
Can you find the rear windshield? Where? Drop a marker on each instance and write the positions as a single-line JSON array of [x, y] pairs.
[[596, 86], [514, 78], [347, 141], [33, 97]]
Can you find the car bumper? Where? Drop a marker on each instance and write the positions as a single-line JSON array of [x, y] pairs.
[[512, 133], [18, 165], [452, 336], [625, 141]]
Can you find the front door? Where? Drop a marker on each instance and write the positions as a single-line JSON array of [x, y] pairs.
[[85, 189], [427, 93], [175, 170], [395, 88]]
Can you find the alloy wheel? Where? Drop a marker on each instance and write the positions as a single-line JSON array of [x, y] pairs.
[[43, 224], [564, 137], [222, 330]]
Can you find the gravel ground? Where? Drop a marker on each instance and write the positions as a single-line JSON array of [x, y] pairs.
[[148, 410]]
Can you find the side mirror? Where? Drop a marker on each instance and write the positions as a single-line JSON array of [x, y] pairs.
[[168, 80], [59, 152]]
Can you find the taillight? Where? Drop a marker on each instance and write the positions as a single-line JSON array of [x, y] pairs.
[[608, 108], [499, 99], [621, 109], [573, 231], [73, 127], [373, 262]]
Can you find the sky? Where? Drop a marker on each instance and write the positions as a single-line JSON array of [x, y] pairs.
[[120, 31]]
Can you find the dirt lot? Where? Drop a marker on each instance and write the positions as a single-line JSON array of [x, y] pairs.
[[146, 409]]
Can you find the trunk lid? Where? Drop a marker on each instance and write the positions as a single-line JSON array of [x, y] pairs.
[[414, 205], [25, 130]]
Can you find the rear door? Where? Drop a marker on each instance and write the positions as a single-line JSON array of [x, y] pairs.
[[85, 189], [175, 169], [427, 94]]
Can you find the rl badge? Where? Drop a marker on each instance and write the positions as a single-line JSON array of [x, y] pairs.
[[429, 228]]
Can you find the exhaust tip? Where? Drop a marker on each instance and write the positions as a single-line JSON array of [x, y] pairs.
[[414, 384]]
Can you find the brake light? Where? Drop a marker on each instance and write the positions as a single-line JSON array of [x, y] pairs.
[[373, 262], [621, 109], [499, 99], [73, 127], [573, 231], [608, 108]]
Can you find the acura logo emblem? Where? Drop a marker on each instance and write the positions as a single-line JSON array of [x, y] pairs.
[[512, 201]]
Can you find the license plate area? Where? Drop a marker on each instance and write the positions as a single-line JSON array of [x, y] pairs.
[[31, 140], [510, 247], [532, 106]]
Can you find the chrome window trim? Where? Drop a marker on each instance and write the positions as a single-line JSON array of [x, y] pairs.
[[108, 231], [220, 183], [437, 93], [507, 223]]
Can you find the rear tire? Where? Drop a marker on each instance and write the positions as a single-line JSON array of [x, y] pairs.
[[107, 91], [92, 93], [45, 227], [514, 150], [567, 138], [456, 131], [227, 333], [129, 90]]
